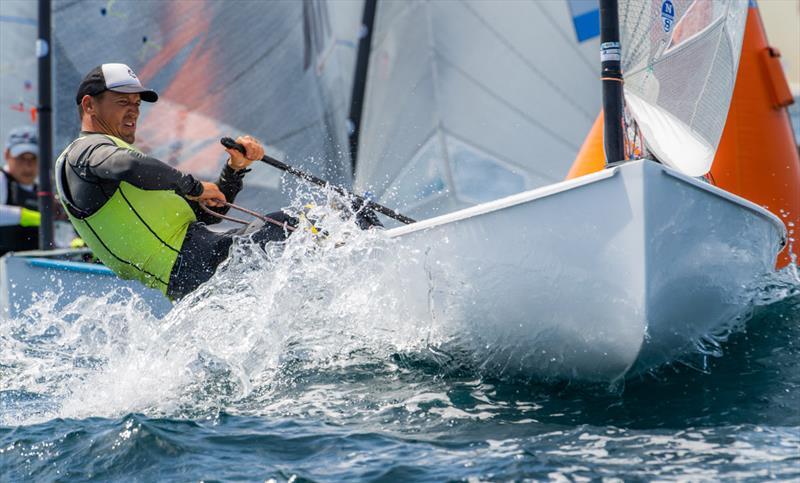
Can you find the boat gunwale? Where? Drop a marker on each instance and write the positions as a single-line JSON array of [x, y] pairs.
[[556, 188], [506, 202]]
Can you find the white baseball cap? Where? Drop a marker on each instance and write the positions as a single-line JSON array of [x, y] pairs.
[[23, 140], [113, 77]]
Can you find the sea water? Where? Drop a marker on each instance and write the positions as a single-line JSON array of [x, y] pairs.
[[300, 363]]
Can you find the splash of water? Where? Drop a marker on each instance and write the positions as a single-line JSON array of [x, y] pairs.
[[769, 289], [268, 317], [320, 301]]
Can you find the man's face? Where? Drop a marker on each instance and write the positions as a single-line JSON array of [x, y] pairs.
[[24, 168], [117, 114]]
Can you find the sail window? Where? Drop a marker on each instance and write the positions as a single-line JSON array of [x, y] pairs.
[[478, 176], [422, 180]]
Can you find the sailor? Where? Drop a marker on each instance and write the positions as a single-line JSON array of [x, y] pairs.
[[19, 215], [141, 217]]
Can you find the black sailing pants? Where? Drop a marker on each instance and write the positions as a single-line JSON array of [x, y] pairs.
[[203, 250]]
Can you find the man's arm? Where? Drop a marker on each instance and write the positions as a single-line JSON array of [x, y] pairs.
[[11, 215], [230, 184], [110, 162], [230, 180], [145, 172], [149, 173]]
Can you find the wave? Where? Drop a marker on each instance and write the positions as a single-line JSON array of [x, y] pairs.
[[324, 309]]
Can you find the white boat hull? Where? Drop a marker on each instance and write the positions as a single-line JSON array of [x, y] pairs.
[[593, 278]]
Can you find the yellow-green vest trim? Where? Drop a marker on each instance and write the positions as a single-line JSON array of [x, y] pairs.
[[137, 233]]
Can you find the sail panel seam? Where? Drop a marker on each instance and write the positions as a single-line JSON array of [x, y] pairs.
[[552, 84], [508, 104]]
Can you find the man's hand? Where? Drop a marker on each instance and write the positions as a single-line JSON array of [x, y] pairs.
[[254, 151], [210, 196]]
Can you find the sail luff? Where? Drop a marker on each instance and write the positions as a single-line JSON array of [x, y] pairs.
[[360, 77]]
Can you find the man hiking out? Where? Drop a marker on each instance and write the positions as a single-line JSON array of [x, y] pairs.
[[141, 217]]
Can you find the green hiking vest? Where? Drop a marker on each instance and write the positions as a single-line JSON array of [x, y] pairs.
[[137, 233]]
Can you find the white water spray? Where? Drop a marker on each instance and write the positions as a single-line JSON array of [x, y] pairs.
[[314, 303], [311, 299]]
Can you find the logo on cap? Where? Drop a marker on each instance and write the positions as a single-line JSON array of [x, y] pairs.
[[130, 73]]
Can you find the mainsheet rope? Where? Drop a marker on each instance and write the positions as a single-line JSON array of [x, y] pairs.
[[265, 219]]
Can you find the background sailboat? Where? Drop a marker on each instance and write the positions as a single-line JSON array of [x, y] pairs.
[[471, 101]]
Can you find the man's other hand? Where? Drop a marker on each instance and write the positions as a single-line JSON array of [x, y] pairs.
[[254, 151], [210, 196]]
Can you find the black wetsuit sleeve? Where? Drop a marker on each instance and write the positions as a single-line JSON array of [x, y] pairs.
[[111, 162], [230, 183]]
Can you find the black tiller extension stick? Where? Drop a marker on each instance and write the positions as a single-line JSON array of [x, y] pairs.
[[231, 144]]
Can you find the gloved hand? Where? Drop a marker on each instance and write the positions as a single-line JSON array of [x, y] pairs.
[[29, 217], [365, 217]]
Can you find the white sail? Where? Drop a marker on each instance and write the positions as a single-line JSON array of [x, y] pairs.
[[472, 101], [679, 61]]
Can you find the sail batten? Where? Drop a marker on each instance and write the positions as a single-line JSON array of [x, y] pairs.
[[538, 72], [544, 8]]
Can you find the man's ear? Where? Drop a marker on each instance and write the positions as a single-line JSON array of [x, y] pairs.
[[7, 154], [88, 104]]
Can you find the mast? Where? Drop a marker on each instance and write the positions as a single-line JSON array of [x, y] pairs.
[[360, 78], [611, 75], [45, 112]]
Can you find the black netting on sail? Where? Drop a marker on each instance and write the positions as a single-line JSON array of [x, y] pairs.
[[679, 59]]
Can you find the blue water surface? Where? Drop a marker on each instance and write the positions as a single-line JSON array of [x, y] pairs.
[[405, 418]]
